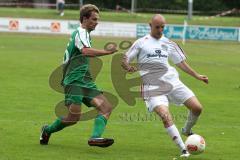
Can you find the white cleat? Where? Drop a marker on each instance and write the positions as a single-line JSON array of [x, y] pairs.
[[185, 154]]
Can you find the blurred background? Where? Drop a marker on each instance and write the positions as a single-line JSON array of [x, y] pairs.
[[34, 35], [201, 7]]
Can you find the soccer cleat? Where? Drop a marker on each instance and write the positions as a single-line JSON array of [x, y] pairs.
[[185, 154], [100, 142], [44, 137], [186, 133]]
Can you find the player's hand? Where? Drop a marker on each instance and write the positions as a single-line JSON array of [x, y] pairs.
[[132, 69], [203, 78], [111, 48]]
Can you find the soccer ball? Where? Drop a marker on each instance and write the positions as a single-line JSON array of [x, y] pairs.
[[195, 144]]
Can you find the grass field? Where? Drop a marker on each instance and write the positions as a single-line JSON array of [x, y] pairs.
[[27, 102], [116, 17]]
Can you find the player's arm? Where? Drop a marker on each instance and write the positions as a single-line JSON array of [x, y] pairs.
[[82, 42], [129, 57], [177, 56], [186, 68], [126, 66], [91, 52]]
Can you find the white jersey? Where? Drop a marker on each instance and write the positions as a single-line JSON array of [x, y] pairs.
[[152, 57]]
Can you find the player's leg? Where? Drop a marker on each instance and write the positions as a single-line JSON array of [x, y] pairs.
[[183, 95], [74, 112], [159, 105], [195, 109], [60, 123], [61, 9], [73, 102], [170, 127], [104, 110]]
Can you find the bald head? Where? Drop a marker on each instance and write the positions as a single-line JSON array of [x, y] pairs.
[[157, 18], [157, 24]]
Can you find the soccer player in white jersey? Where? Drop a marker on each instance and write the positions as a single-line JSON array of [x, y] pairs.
[[161, 83]]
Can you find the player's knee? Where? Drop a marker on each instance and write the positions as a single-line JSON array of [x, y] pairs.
[[72, 119], [167, 123], [197, 110], [167, 119], [107, 110], [75, 110]]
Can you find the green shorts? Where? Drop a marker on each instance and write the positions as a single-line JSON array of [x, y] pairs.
[[77, 94]]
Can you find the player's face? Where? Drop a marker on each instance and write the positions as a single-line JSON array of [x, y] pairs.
[[157, 27], [92, 21]]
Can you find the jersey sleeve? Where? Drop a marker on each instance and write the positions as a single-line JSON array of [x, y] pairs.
[[82, 40], [176, 54], [134, 50]]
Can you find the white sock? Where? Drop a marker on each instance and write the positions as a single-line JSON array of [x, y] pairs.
[[175, 136], [191, 121]]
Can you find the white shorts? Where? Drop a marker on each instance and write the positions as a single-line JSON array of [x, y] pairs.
[[177, 96]]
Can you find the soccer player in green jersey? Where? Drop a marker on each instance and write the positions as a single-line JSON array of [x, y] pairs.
[[77, 82]]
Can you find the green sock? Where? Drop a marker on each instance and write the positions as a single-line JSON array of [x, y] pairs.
[[99, 126], [56, 126]]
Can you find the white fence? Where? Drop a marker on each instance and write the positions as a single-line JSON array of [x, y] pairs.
[[64, 27], [115, 29]]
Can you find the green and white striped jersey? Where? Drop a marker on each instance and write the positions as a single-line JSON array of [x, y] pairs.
[[76, 65]]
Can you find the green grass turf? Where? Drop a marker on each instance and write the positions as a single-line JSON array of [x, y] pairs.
[[27, 102], [116, 16]]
